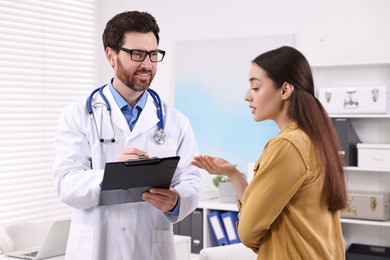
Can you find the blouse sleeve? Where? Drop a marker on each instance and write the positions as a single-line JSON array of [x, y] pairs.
[[281, 172]]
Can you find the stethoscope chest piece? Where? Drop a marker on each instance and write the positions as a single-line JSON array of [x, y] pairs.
[[159, 136]]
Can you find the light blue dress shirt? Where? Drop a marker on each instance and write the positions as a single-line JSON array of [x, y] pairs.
[[130, 114]]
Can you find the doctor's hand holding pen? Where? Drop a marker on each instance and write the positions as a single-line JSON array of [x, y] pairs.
[[130, 154], [162, 199], [215, 165]]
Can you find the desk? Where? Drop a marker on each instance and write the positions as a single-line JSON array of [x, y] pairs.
[[182, 248]]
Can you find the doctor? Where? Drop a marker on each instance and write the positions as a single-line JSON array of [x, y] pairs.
[[121, 121]]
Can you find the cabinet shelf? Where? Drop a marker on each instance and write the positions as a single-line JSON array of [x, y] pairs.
[[216, 204], [349, 64], [366, 222], [366, 169], [364, 116]]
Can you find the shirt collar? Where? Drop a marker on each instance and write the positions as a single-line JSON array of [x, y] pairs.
[[290, 126], [122, 103]]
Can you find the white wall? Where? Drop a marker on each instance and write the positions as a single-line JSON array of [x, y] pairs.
[[327, 31]]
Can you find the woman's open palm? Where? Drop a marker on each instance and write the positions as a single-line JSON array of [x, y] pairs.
[[213, 165]]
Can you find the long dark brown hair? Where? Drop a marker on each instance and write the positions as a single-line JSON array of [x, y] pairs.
[[286, 64]]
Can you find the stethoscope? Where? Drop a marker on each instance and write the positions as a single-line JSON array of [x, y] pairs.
[[159, 134]]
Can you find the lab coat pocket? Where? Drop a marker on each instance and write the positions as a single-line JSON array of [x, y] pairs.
[[169, 148], [163, 246], [80, 242]]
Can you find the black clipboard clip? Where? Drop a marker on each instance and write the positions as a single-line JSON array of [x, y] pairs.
[[142, 160]]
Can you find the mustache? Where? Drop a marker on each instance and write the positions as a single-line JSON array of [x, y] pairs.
[[143, 70]]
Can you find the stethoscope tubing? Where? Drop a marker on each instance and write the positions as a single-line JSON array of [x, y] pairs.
[[157, 101], [159, 135]]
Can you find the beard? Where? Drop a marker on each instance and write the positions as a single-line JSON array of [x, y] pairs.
[[128, 79]]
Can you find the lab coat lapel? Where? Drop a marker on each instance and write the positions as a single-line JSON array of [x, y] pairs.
[[117, 116], [147, 119]]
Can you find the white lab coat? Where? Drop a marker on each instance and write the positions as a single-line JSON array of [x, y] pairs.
[[127, 231]]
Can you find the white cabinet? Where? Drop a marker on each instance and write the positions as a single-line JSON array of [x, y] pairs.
[[371, 128], [208, 206]]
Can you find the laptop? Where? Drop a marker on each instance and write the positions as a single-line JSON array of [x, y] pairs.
[[53, 245]]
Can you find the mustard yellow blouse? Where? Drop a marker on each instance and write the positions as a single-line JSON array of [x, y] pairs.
[[283, 214]]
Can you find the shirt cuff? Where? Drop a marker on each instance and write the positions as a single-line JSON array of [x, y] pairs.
[[176, 210]]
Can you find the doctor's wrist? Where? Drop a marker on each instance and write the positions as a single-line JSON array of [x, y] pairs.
[[176, 209]]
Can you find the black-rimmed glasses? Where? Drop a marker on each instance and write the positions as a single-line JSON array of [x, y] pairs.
[[140, 55]]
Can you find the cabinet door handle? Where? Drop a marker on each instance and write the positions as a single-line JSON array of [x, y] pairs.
[[373, 203]]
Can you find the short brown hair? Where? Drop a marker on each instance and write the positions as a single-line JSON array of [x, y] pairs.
[[130, 21]]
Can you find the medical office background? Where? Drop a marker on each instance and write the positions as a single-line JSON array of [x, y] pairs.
[[51, 53]]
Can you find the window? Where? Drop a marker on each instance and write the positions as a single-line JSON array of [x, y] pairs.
[[47, 59]]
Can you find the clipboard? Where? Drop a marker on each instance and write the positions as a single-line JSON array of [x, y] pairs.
[[124, 182]]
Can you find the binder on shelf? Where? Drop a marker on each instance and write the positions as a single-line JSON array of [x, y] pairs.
[[348, 140], [218, 228], [229, 220]]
